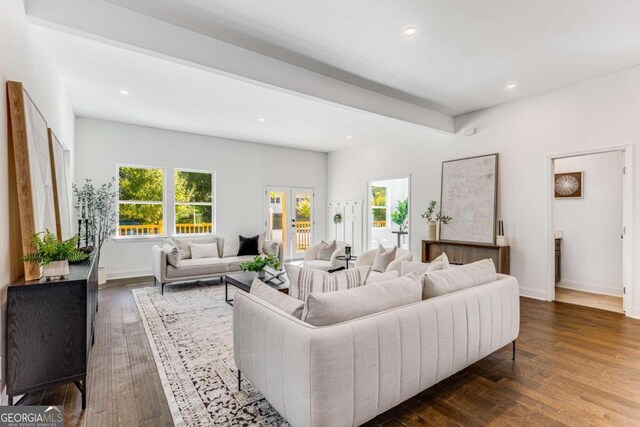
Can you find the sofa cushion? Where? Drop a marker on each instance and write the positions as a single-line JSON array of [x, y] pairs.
[[383, 258], [234, 262], [457, 278], [204, 250], [326, 250], [278, 299], [261, 240], [376, 277], [329, 308], [248, 245], [183, 244], [198, 267], [304, 280], [440, 263], [318, 264], [231, 246], [173, 254]]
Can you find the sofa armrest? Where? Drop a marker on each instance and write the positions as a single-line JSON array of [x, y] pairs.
[[335, 262], [159, 263]]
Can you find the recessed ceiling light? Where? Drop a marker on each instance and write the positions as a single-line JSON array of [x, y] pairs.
[[261, 119], [124, 92], [410, 31], [512, 86], [349, 136]]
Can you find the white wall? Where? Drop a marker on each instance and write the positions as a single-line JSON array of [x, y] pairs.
[[24, 57], [592, 114], [591, 226], [242, 169]]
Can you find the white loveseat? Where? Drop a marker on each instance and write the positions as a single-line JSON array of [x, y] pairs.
[[201, 268], [311, 258], [347, 373]]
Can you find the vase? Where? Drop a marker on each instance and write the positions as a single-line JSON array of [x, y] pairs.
[[56, 270], [431, 231], [262, 274]]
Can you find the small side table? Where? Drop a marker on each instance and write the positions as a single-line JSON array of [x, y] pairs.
[[346, 260]]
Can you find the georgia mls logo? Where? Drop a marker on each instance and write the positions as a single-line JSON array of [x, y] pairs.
[[32, 416]]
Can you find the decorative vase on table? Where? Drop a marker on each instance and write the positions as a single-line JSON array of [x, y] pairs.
[[262, 274], [56, 270], [431, 230]]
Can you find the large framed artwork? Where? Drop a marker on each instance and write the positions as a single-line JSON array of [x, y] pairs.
[[469, 195], [60, 187], [34, 178], [568, 185]]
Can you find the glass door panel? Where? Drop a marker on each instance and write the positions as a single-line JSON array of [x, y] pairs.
[[303, 220], [289, 219], [277, 216]]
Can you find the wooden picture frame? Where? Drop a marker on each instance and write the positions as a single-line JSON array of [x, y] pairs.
[[34, 178], [568, 185], [469, 195]]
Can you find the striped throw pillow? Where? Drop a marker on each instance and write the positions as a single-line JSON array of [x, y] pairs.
[[302, 280]]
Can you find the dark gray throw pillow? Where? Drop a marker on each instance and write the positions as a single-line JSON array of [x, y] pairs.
[[248, 245]]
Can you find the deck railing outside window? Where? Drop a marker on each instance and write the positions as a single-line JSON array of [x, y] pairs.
[[379, 224], [303, 235]]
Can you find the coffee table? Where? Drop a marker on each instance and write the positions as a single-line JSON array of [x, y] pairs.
[[243, 281]]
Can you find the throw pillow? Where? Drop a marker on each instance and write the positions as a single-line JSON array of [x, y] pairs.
[[326, 250], [208, 250], [304, 280], [248, 245], [173, 254], [383, 258], [457, 278], [323, 309], [440, 263], [375, 277], [183, 244], [231, 247], [278, 299], [261, 239], [271, 247]]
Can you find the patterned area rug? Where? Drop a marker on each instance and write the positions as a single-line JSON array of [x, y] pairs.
[[190, 333]]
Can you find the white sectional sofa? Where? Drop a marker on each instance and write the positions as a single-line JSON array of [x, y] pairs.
[[347, 373], [201, 268]]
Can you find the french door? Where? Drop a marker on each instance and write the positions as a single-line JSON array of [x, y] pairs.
[[289, 218]]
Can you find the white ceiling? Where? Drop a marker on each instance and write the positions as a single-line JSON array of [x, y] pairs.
[[168, 95], [464, 52], [318, 71]]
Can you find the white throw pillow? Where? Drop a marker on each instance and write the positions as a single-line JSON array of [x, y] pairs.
[[302, 280], [173, 254], [326, 250], [329, 308], [208, 250], [184, 244], [261, 237], [440, 263], [383, 258], [278, 299], [375, 277], [231, 247], [457, 278], [271, 247], [408, 267]]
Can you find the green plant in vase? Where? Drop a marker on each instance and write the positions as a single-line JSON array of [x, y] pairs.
[[53, 254], [433, 219], [259, 263]]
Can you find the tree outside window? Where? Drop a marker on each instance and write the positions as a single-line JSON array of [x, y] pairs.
[[379, 206], [194, 202], [140, 201]]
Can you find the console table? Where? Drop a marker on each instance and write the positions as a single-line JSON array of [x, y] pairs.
[[50, 331], [465, 253]]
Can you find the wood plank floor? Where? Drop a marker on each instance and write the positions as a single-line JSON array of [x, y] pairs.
[[588, 299], [575, 366]]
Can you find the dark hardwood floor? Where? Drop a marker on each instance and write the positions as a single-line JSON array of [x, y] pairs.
[[575, 366]]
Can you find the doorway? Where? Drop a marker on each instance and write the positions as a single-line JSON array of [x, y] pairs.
[[388, 213], [289, 218], [588, 227]]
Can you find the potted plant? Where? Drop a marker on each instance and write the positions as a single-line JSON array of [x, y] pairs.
[[53, 254], [433, 219], [401, 214], [259, 263], [96, 210]]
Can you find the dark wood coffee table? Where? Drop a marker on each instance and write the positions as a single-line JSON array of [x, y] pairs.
[[243, 281]]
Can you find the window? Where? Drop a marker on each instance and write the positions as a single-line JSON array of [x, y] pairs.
[[194, 202], [140, 201], [379, 206]]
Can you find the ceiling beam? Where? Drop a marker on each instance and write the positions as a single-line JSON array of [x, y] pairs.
[[112, 24]]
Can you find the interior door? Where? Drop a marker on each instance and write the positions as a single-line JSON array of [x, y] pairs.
[[289, 218]]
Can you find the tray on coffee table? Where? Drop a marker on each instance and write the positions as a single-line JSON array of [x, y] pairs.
[[244, 279]]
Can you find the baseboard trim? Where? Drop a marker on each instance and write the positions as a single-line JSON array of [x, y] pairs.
[[585, 287], [126, 281], [125, 274], [533, 293]]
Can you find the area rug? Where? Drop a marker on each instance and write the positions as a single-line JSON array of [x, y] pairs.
[[190, 333]]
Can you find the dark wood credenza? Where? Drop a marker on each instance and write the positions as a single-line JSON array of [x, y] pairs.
[[50, 327], [465, 253]]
